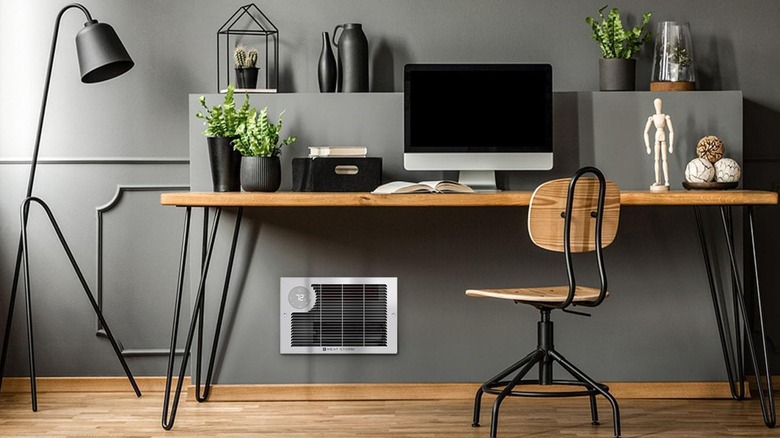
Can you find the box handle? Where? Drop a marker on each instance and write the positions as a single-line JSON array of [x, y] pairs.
[[345, 169]]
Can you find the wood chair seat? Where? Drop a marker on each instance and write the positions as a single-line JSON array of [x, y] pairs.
[[548, 294]]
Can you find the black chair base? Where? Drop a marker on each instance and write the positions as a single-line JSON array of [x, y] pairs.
[[544, 355]]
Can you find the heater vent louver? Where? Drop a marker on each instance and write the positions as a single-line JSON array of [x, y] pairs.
[[338, 315]]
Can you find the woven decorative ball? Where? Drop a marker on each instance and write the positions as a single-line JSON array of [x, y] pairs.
[[710, 148], [727, 170], [699, 170]]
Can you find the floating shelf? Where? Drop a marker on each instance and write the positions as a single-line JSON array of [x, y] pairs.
[[251, 90]]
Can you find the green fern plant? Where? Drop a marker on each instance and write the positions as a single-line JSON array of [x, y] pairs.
[[224, 120], [258, 137], [612, 37]]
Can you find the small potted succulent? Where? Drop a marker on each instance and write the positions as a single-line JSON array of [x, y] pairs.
[[222, 124], [246, 67], [258, 142], [617, 67]]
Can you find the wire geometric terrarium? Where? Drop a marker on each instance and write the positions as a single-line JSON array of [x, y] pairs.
[[250, 27]]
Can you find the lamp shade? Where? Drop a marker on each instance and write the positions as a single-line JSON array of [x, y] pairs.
[[102, 56]]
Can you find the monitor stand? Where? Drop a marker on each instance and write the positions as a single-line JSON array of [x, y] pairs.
[[479, 180]]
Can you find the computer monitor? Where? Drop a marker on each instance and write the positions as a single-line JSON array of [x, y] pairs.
[[478, 118]]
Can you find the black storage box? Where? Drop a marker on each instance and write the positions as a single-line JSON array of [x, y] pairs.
[[336, 174]]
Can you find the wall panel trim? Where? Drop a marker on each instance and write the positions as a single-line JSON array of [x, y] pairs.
[[100, 211], [99, 160]]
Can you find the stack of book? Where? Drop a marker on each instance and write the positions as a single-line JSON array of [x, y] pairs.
[[337, 151]]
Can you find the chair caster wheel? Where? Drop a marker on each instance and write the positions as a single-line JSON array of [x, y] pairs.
[[474, 424]]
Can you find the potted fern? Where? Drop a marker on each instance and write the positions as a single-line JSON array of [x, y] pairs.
[[617, 66], [246, 67], [258, 143], [222, 123]]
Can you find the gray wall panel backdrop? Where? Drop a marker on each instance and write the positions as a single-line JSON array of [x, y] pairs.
[[659, 324], [655, 268]]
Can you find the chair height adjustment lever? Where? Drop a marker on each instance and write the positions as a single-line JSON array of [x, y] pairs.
[[576, 312]]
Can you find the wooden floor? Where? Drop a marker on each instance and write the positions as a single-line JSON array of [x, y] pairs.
[[122, 414]]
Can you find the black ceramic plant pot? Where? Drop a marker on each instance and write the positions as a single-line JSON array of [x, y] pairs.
[[225, 164], [617, 74], [261, 174], [247, 77]]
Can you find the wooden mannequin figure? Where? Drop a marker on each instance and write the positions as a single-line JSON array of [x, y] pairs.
[[661, 122]]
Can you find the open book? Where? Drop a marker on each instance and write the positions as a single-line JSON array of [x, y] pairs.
[[443, 186]]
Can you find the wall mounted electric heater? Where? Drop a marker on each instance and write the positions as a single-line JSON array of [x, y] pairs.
[[338, 315]]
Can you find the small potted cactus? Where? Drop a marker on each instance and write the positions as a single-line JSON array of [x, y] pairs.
[[246, 67]]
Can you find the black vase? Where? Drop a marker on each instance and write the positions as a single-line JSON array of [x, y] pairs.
[[225, 164], [247, 77], [353, 58], [326, 70], [261, 174]]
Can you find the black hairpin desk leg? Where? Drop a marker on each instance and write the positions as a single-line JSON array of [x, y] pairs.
[[169, 415], [766, 398], [215, 343], [731, 354], [167, 421], [769, 413]]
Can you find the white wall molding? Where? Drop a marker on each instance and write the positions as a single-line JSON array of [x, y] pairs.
[[98, 160], [100, 210]]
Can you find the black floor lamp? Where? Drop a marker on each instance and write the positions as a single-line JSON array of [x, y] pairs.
[[102, 56]]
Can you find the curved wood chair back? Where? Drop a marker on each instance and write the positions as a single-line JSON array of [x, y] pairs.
[[546, 214]]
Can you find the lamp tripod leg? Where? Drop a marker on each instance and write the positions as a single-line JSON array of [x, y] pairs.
[[84, 285], [9, 318], [28, 307]]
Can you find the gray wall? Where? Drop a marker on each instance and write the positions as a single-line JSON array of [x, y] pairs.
[[146, 114], [655, 270]]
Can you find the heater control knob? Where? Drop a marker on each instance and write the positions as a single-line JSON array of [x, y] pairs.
[[299, 297]]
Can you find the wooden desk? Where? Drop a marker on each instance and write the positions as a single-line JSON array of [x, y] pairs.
[[499, 199], [724, 200]]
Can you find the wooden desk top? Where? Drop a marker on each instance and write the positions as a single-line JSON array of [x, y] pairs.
[[499, 199]]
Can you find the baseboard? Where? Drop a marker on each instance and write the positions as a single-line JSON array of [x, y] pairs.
[[86, 384], [444, 391], [354, 391]]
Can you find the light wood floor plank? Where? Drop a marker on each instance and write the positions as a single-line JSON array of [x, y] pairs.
[[122, 414]]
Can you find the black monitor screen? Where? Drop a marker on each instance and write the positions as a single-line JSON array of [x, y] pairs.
[[478, 108]]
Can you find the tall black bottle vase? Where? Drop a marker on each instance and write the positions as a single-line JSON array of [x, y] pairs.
[[326, 70], [353, 58]]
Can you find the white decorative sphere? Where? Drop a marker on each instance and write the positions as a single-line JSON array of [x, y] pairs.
[[699, 170], [727, 170]]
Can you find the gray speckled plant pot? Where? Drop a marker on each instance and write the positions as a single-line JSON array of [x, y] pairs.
[[617, 74]]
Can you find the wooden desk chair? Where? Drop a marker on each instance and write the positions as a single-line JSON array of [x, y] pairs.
[[569, 215]]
